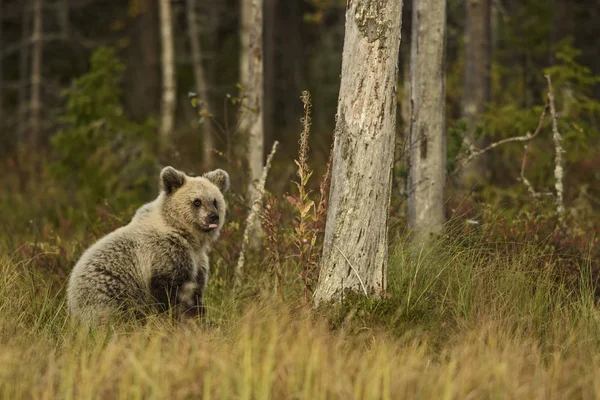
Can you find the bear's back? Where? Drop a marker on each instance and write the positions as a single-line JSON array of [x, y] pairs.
[[117, 271], [107, 275]]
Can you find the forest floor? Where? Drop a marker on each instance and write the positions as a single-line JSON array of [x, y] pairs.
[[457, 323]]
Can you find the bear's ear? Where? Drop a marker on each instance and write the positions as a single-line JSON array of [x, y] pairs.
[[220, 179], [171, 179]]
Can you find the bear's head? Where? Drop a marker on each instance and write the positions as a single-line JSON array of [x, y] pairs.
[[195, 204]]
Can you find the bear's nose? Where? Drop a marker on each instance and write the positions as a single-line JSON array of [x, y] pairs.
[[213, 217]]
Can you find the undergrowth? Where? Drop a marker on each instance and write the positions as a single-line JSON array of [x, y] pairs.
[[500, 306], [456, 323]]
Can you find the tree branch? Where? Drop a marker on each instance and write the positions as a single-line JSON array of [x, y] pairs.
[[526, 181], [525, 138], [250, 220]]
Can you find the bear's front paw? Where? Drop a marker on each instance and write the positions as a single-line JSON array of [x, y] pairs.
[[187, 294]]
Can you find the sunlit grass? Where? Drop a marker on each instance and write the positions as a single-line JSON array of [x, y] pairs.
[[458, 323]]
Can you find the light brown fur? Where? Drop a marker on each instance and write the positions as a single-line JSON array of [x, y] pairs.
[[159, 261]]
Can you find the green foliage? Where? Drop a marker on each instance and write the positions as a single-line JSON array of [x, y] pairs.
[[454, 144], [580, 111], [100, 152]]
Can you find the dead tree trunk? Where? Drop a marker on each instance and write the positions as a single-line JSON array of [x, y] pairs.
[[168, 70], [251, 74], [200, 77], [427, 136], [355, 248], [477, 78], [36, 76]]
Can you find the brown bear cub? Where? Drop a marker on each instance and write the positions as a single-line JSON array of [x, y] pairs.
[[157, 262]]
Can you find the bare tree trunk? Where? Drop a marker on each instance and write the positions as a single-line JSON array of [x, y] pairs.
[[1, 73], [63, 18], [355, 249], [269, 67], [477, 78], [427, 137], [143, 74], [36, 76], [251, 73], [200, 77], [24, 75], [245, 26], [168, 70]]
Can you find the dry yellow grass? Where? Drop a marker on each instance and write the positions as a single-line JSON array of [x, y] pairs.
[[456, 334]]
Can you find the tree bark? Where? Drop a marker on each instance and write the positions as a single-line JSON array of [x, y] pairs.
[[36, 76], [355, 247], [477, 79], [427, 133], [200, 78], [168, 70], [251, 74]]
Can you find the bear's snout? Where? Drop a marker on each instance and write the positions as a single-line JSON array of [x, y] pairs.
[[213, 217]]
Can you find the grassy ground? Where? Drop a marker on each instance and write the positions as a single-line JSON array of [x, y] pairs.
[[459, 322]]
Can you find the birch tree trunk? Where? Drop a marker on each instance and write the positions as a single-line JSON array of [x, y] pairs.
[[168, 70], [427, 136], [355, 246], [36, 76], [200, 78], [251, 75], [477, 79]]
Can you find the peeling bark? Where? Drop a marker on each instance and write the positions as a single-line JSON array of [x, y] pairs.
[[427, 136], [355, 246]]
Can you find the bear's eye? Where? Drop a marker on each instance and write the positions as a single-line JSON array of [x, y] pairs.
[[197, 203], [215, 203]]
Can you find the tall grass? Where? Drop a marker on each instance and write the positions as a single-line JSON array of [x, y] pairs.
[[458, 322]]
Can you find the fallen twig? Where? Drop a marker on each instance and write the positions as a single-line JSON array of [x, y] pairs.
[[362, 285]]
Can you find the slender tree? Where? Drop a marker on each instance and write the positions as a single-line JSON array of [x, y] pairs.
[[476, 93], [251, 75], [36, 75], [63, 18], [200, 77], [356, 235], [168, 70], [24, 74], [143, 73], [270, 43], [1, 73], [427, 136]]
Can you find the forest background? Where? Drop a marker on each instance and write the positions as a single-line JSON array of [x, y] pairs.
[[92, 106]]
